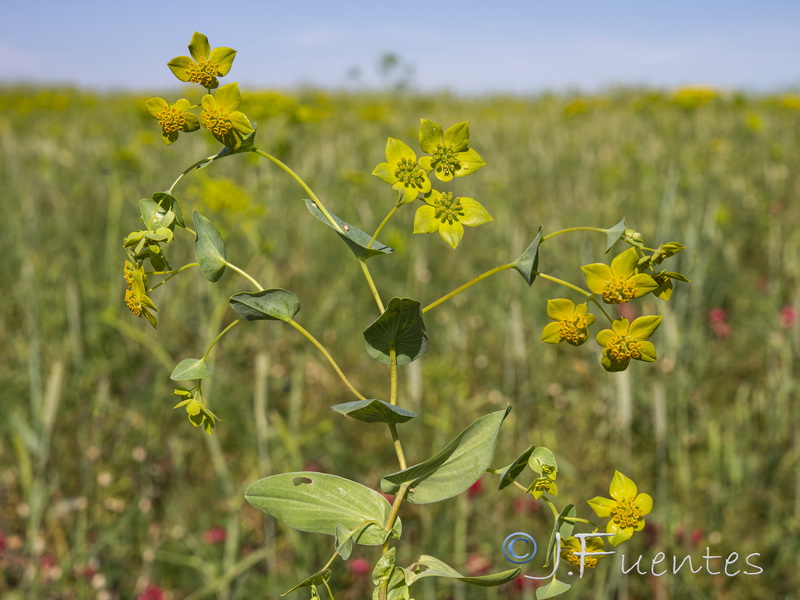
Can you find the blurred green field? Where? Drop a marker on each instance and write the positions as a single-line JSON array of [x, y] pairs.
[[106, 492]]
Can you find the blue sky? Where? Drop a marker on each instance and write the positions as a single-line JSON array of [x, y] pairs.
[[464, 47]]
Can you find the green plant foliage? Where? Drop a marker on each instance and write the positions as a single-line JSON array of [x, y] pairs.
[[455, 468], [208, 248], [191, 368], [319, 502], [400, 329], [374, 411], [510, 473], [430, 566], [528, 262], [356, 240], [276, 305]]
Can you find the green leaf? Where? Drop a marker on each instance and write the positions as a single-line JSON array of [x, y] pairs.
[[543, 461], [275, 305], [208, 248], [169, 203], [563, 527], [397, 588], [510, 473], [318, 502], [614, 234], [317, 578], [343, 541], [382, 570], [356, 240], [191, 368], [374, 411], [528, 263], [400, 327], [552, 589], [437, 568], [455, 468]]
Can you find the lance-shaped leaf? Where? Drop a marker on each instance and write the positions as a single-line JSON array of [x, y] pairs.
[[191, 368], [614, 234], [430, 566], [275, 305], [400, 327], [318, 578], [319, 502], [374, 411], [528, 262], [455, 468], [208, 248], [510, 473], [356, 240]]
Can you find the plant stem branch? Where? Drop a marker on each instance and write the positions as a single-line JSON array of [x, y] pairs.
[[470, 283]]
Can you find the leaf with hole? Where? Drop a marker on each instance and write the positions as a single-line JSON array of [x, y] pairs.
[[430, 566], [318, 502]]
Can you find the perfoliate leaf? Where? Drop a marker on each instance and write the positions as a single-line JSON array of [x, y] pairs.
[[319, 502], [528, 263], [400, 327], [552, 589], [208, 248], [614, 234], [356, 240], [455, 468], [275, 304], [374, 411], [191, 368]]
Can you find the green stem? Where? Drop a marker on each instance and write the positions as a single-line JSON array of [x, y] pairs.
[[392, 375], [470, 283], [219, 337], [385, 220], [243, 274], [579, 520], [195, 166], [552, 506], [398, 500], [571, 230], [303, 185], [371, 284], [170, 274], [327, 355], [398, 447]]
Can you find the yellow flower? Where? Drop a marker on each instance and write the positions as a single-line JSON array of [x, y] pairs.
[[627, 509], [222, 119], [571, 322], [447, 214], [572, 553], [620, 282], [173, 118], [541, 485], [402, 171], [626, 341], [207, 64], [136, 295]]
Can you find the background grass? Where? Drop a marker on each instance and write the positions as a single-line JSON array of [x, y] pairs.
[[106, 492]]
